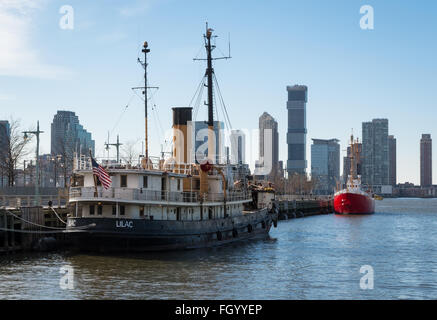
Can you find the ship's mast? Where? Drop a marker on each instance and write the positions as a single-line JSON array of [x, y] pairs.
[[357, 156], [116, 145], [145, 51], [209, 74], [353, 153]]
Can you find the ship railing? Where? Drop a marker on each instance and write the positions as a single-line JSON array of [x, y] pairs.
[[182, 168], [83, 163], [18, 201], [230, 196], [128, 194]]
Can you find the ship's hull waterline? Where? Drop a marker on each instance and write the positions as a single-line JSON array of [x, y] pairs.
[[353, 203], [141, 235]]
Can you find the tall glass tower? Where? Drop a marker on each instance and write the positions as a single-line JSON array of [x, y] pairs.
[[268, 144], [376, 163], [325, 165], [297, 131], [426, 160], [68, 135]]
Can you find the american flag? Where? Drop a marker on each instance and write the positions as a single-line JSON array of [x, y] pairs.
[[101, 173]]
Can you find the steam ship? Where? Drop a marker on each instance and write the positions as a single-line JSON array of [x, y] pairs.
[[353, 199], [167, 204]]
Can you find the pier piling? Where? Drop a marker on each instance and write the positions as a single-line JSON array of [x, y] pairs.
[[21, 226]]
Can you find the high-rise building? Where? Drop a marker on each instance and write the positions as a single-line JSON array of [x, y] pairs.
[[426, 160], [375, 162], [296, 133], [5, 133], [68, 136], [268, 146], [238, 147], [200, 140], [392, 161], [347, 162], [325, 165]]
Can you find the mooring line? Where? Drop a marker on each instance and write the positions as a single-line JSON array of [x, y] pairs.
[[58, 216], [31, 231], [42, 226], [32, 223], [43, 232]]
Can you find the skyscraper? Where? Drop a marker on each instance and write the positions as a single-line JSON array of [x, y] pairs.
[[375, 162], [325, 165], [392, 162], [296, 133], [5, 132], [200, 140], [68, 135], [238, 147], [268, 145], [426, 160]]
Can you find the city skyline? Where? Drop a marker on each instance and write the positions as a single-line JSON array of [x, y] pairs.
[[376, 78]]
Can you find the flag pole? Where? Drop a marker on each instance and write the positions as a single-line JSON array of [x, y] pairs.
[[94, 176]]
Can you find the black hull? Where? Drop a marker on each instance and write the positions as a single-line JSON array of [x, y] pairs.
[[139, 235]]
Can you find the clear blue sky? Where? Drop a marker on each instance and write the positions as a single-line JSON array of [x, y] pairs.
[[353, 75]]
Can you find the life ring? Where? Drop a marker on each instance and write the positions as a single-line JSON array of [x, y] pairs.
[[219, 236], [234, 233], [249, 228]]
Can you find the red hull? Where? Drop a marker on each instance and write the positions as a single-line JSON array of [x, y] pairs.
[[353, 203]]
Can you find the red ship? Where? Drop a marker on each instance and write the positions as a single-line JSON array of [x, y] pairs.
[[353, 199]]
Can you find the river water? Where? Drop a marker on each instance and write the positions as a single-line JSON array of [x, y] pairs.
[[317, 257]]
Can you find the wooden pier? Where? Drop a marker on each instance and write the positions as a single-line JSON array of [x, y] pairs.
[[303, 207], [26, 227]]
